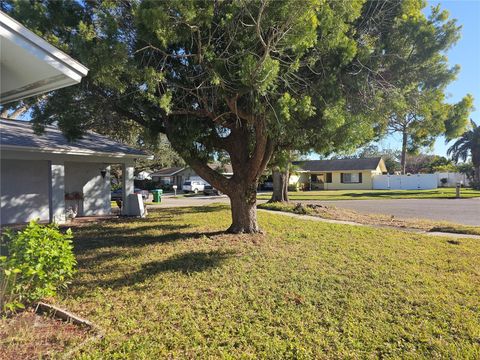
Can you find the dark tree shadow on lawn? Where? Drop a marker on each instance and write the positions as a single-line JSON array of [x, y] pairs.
[[190, 262], [108, 232], [88, 262], [185, 263], [86, 243]]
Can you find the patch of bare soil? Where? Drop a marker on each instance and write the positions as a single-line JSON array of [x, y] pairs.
[[30, 336], [334, 213]]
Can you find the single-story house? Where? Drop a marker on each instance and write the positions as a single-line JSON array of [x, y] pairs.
[[172, 176], [45, 176], [342, 174], [178, 175]]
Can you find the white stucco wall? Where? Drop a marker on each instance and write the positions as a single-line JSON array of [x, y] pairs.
[[87, 179], [24, 190]]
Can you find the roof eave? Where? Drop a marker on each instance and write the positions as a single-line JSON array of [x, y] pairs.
[[75, 152], [69, 71]]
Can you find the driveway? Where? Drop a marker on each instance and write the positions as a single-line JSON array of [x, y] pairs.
[[461, 211]]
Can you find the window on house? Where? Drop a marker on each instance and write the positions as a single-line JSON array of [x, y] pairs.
[[314, 178], [329, 178], [350, 178]]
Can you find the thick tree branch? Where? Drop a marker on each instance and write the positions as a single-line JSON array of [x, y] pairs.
[[258, 155], [266, 158], [233, 106]]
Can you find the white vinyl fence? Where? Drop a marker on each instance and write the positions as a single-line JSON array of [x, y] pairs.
[[405, 182], [452, 179]]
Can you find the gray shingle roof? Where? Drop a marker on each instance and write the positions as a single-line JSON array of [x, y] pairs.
[[221, 168], [20, 134], [338, 165], [167, 171]]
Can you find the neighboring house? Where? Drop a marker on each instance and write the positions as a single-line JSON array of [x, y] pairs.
[[344, 174], [43, 176], [172, 176], [178, 175]]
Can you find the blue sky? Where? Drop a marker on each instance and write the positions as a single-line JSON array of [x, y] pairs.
[[466, 53]]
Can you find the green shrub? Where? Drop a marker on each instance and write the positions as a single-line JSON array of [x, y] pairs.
[[9, 299], [475, 185], [42, 257], [287, 207], [277, 206]]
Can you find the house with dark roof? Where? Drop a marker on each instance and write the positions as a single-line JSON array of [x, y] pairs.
[[178, 175], [46, 177], [171, 176], [341, 174]]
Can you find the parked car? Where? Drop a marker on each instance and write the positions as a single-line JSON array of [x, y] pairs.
[[194, 186], [267, 185], [118, 194], [210, 190]]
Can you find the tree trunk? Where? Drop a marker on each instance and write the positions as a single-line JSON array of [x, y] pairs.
[[280, 186], [403, 161], [247, 166], [244, 209]]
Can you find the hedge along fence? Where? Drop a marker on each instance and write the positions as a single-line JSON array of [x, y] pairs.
[[35, 263]]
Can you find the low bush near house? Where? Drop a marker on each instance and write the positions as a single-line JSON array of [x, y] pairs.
[[40, 261], [9, 300]]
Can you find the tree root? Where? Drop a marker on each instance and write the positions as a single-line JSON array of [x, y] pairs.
[[242, 230]]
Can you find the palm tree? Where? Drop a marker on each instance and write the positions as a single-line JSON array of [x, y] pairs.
[[468, 144]]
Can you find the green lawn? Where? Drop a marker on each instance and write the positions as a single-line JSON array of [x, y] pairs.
[[440, 193], [174, 286]]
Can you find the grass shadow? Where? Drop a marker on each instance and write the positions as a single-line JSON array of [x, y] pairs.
[[186, 263], [85, 243]]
